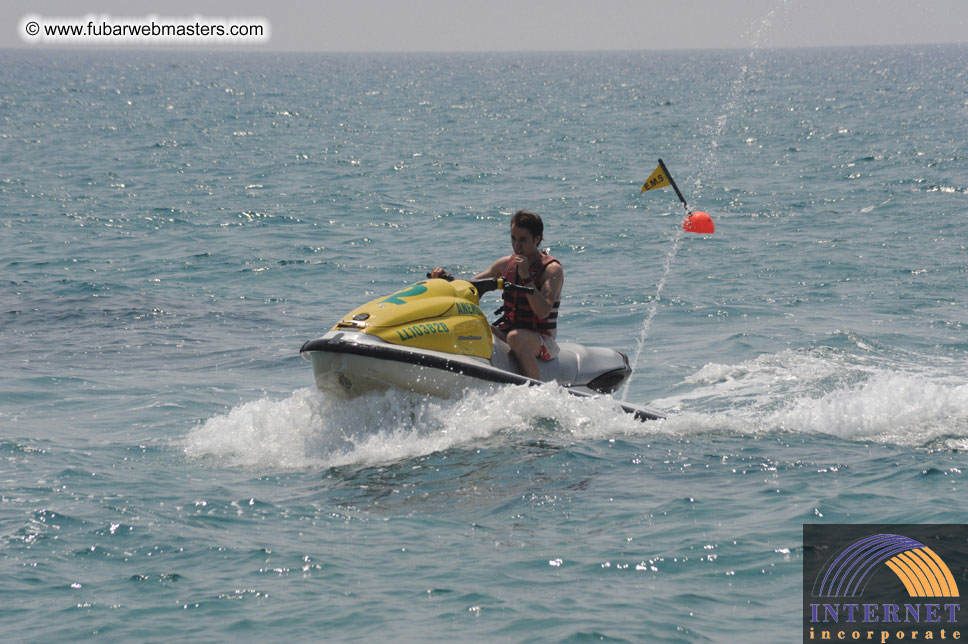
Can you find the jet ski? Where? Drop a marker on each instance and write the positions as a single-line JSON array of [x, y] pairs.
[[433, 338]]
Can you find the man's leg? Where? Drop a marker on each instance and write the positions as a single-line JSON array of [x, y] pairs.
[[526, 345]]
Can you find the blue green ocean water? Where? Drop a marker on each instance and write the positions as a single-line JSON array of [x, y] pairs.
[[175, 225]]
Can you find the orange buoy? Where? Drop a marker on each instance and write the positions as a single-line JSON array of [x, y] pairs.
[[699, 222]]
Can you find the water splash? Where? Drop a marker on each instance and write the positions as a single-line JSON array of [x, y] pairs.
[[310, 430], [822, 391], [756, 36], [653, 308]]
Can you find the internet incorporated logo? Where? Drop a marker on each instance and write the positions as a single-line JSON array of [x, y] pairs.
[[882, 583], [917, 566]]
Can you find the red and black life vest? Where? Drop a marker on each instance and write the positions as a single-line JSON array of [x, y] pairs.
[[517, 311]]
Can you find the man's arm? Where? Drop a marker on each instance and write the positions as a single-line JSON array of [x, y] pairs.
[[543, 302], [496, 269]]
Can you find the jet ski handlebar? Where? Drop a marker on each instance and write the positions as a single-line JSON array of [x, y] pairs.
[[498, 283], [488, 284]]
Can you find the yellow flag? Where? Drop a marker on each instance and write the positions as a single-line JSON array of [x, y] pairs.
[[657, 179]]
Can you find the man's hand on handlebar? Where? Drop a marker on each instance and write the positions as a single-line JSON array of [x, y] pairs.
[[439, 273]]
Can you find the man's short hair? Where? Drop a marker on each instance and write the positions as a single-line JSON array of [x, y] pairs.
[[529, 220]]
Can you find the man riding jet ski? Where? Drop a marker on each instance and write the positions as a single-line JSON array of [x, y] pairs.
[[529, 322], [433, 338]]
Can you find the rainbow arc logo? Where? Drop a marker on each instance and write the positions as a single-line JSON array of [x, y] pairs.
[[922, 572]]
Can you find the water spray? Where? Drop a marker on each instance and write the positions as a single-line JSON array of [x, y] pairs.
[[695, 222]]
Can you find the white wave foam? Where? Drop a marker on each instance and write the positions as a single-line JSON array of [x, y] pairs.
[[822, 391], [826, 392], [310, 430], [898, 408]]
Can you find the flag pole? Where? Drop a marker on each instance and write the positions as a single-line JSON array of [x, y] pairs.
[[673, 182]]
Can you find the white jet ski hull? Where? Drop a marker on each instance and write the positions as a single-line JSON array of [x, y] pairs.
[[349, 364], [349, 375]]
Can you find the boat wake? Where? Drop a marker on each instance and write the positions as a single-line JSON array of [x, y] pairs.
[[813, 391], [827, 391], [311, 429]]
